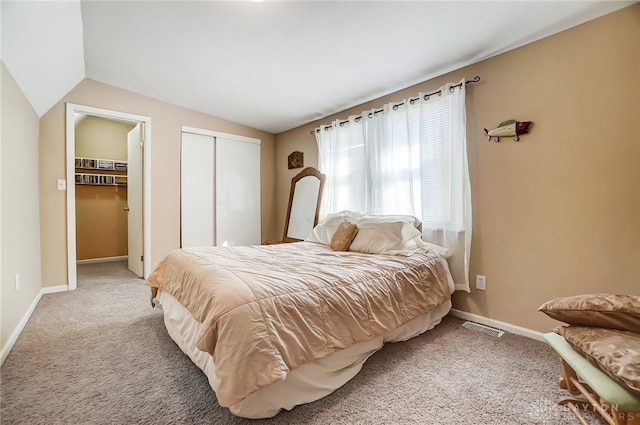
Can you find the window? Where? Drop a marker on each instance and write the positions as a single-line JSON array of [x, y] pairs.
[[407, 158]]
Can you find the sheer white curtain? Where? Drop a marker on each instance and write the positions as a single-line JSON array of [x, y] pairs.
[[407, 158], [341, 158]]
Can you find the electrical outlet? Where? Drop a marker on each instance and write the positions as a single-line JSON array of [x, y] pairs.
[[17, 281], [481, 281]]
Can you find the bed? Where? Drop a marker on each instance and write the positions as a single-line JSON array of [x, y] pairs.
[[599, 348], [275, 326]]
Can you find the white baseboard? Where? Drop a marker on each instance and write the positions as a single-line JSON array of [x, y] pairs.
[[514, 329], [102, 260], [54, 289], [6, 349]]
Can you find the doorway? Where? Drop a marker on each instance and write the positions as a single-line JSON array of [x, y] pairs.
[[137, 206]]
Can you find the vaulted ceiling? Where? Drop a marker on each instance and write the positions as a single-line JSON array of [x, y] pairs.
[[271, 65]]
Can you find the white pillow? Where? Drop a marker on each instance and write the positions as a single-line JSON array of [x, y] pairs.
[[389, 237], [323, 232], [379, 238]]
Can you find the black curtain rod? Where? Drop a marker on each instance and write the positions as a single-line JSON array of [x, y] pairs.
[[426, 97]]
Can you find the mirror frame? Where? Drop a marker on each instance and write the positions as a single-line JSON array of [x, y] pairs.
[[309, 171]]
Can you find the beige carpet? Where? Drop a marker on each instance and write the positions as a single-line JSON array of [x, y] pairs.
[[101, 355]]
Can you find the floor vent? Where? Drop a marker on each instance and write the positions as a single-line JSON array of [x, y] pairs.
[[482, 328]]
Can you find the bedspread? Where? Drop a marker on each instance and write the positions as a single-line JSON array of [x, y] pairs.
[[269, 309]]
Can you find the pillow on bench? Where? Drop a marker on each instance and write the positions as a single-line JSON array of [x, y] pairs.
[[615, 352], [599, 310]]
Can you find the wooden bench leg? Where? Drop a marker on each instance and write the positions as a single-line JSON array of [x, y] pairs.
[[565, 381], [611, 414]]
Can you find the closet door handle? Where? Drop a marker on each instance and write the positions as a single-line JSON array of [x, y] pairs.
[[126, 208]]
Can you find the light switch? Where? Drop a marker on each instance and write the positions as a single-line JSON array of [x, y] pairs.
[[62, 184]]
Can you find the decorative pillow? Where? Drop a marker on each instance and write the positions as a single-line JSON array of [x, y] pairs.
[[615, 352], [598, 310], [344, 234]]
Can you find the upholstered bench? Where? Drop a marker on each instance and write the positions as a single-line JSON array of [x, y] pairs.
[[600, 352], [616, 404]]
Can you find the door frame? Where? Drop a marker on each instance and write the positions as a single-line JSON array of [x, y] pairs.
[[71, 110]]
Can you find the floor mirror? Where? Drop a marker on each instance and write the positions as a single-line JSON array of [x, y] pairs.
[[304, 204]]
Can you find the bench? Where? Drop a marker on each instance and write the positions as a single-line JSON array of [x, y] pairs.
[[591, 387]]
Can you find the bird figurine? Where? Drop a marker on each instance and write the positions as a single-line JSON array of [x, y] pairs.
[[508, 128]]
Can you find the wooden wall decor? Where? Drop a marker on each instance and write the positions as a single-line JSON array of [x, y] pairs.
[[295, 160]]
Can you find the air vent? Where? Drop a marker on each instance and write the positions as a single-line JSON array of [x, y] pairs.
[[482, 328]]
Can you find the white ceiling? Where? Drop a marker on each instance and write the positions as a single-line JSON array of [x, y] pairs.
[[273, 65]]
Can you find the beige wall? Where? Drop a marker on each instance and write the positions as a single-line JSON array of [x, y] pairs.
[[19, 220], [102, 138], [559, 212], [166, 123], [101, 221]]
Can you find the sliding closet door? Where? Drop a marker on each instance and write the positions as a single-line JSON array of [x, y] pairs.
[[197, 178], [219, 189], [237, 192]]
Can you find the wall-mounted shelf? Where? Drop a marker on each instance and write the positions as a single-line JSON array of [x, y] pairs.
[[113, 172], [101, 179], [101, 164]]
